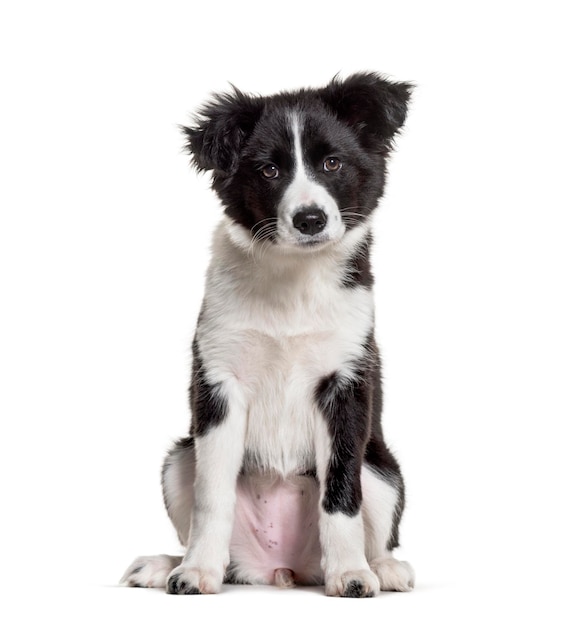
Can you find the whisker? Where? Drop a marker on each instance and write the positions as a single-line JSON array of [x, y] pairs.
[[358, 206], [264, 233], [351, 217], [266, 219], [261, 230], [259, 249], [351, 220], [261, 234]]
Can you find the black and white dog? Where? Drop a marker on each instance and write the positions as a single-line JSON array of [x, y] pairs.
[[285, 477]]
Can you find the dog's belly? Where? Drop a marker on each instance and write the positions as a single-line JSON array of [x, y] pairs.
[[276, 527]]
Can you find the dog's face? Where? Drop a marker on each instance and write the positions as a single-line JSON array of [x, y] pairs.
[[300, 170]]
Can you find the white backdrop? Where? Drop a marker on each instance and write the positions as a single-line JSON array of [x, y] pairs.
[[481, 270]]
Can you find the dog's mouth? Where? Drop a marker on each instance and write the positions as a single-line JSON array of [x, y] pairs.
[[314, 242], [305, 242], [292, 242]]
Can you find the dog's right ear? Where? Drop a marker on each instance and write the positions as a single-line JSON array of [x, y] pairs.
[[220, 129]]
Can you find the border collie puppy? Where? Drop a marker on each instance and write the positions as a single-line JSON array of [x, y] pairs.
[[285, 477]]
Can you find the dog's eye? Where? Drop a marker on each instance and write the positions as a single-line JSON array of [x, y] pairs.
[[332, 164], [270, 171]]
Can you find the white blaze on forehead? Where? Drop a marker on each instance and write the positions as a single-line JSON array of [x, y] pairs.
[[297, 137], [302, 185], [305, 191]]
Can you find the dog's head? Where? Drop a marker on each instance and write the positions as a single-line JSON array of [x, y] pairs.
[[300, 169]]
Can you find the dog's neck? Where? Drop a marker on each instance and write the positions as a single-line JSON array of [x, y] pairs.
[[283, 295], [256, 283]]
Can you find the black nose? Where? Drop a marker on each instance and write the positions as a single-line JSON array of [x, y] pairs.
[[310, 220]]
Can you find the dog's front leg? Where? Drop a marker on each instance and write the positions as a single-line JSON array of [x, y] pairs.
[[219, 446], [342, 429]]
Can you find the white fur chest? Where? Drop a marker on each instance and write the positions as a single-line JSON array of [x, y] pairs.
[[270, 329]]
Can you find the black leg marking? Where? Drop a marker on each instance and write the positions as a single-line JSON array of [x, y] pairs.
[[352, 409], [208, 406], [176, 586], [356, 589], [346, 406]]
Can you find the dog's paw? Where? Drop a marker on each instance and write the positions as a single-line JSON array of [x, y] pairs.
[[354, 584], [393, 575], [191, 581], [149, 571]]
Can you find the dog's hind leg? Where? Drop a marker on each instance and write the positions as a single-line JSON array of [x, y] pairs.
[[149, 571], [382, 509], [177, 481]]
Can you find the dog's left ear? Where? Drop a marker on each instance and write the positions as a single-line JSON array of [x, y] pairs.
[[220, 130], [372, 105]]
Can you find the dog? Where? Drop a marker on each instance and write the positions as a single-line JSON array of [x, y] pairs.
[[285, 477]]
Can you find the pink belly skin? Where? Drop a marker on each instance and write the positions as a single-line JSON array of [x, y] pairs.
[[275, 530]]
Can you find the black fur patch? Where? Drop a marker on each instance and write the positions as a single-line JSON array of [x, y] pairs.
[[356, 589], [177, 586], [208, 406], [358, 269], [376, 108], [220, 130], [346, 406]]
